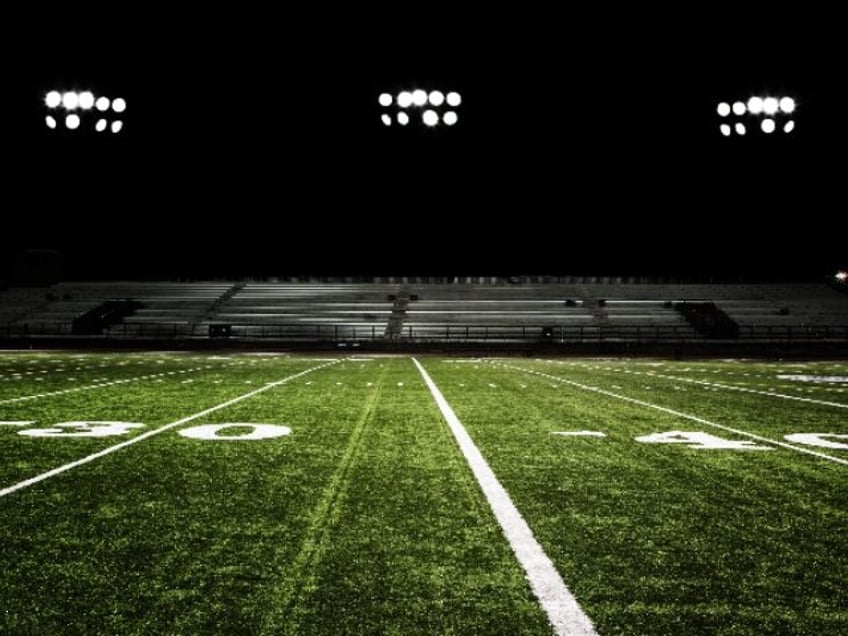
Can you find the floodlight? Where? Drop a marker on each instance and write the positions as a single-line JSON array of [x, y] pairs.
[[53, 99]]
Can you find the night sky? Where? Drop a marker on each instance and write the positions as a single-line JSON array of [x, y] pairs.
[[579, 150]]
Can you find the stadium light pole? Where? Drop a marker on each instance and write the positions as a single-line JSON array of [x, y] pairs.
[[432, 109], [84, 110], [758, 114]]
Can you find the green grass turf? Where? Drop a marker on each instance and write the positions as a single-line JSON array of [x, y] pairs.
[[364, 520], [657, 538], [367, 520]]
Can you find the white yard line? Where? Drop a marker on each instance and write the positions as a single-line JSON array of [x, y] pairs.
[[111, 449], [99, 385], [719, 385], [681, 414], [564, 613]]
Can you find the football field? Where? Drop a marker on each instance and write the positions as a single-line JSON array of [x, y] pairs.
[[186, 493]]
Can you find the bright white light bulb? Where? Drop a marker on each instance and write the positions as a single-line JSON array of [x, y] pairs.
[[437, 98], [385, 99], [450, 118], [789, 126], [755, 105], [740, 129], [51, 123], [100, 126], [723, 109], [387, 121], [53, 99], [454, 99], [70, 100], [767, 126], [404, 99], [419, 97], [86, 100], [770, 105], [119, 104], [430, 118], [117, 125], [102, 104], [403, 119], [787, 105], [72, 122], [725, 130]]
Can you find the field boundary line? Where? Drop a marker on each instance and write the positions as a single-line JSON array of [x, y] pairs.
[[563, 611], [676, 413], [729, 387], [99, 385], [111, 449]]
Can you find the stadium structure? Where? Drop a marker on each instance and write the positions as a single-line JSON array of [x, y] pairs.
[[417, 436], [551, 314]]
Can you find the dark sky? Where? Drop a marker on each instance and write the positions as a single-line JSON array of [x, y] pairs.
[[580, 149]]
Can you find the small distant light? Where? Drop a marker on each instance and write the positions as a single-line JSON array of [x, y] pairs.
[[102, 104], [740, 128], [767, 126], [86, 100], [100, 126], [385, 99], [450, 118], [53, 99], [437, 98], [419, 97], [403, 119], [404, 99], [387, 121], [787, 105], [454, 99], [738, 108], [841, 276], [430, 118], [770, 105], [755, 105], [723, 109], [119, 104], [725, 130], [70, 100], [51, 123], [789, 126], [72, 122], [117, 125]]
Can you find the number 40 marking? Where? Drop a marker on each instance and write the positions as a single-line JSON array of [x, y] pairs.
[[701, 440]]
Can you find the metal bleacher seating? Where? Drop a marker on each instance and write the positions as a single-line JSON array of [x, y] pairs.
[[419, 311]]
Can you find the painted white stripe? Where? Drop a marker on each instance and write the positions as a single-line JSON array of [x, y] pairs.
[[742, 389], [100, 384], [579, 433], [681, 414], [564, 613], [720, 385], [111, 449]]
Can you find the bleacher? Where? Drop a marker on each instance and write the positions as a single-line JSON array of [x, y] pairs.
[[414, 311], [167, 309], [297, 311]]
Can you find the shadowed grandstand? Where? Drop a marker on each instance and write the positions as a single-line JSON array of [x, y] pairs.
[[409, 311]]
